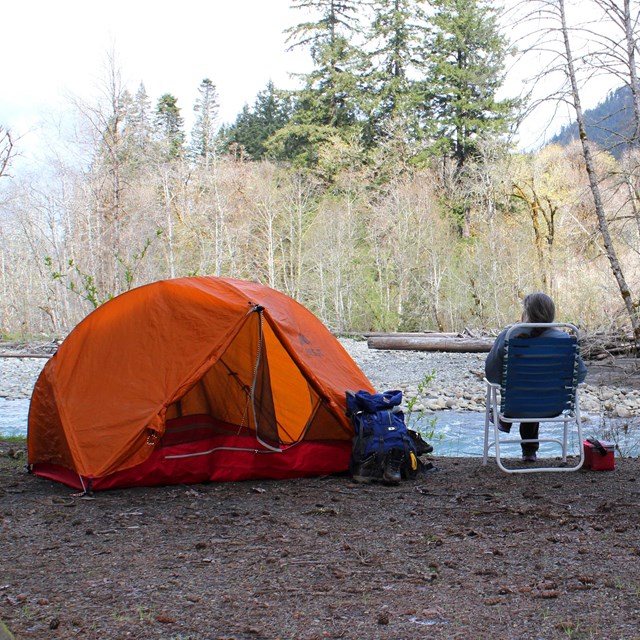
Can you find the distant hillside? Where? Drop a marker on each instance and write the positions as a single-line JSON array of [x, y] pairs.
[[610, 124]]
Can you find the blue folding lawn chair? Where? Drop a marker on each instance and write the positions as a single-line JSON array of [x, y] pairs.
[[539, 384]]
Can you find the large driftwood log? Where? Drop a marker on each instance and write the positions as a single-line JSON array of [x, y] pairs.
[[25, 355], [431, 343], [412, 334]]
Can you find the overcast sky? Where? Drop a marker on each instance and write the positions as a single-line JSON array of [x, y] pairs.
[[54, 50]]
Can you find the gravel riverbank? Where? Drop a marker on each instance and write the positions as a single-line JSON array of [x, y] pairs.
[[18, 376], [457, 383]]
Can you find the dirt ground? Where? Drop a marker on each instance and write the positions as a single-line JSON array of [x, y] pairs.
[[465, 552]]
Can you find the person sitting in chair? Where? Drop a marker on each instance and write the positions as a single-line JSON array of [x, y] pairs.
[[538, 307]]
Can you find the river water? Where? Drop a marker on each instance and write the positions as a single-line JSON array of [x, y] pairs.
[[13, 417], [455, 433]]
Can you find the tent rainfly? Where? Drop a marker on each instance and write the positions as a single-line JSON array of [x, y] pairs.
[[191, 380]]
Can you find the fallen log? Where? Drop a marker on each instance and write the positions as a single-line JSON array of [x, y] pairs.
[[25, 355], [460, 345], [412, 334]]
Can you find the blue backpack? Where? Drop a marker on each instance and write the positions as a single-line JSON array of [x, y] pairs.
[[379, 426]]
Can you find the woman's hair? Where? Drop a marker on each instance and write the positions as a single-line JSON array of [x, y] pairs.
[[539, 307]]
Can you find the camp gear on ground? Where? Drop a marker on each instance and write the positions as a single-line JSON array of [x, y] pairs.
[[381, 436], [599, 455], [191, 380]]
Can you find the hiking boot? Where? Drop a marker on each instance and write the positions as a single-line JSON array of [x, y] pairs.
[[422, 446], [392, 467], [529, 457], [368, 470]]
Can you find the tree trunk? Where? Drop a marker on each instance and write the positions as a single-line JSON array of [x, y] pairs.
[[633, 76], [461, 345], [410, 334], [603, 224]]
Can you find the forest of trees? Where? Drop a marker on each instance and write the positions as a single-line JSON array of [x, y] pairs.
[[385, 193], [609, 124]]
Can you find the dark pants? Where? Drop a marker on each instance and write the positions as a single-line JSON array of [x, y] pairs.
[[528, 431]]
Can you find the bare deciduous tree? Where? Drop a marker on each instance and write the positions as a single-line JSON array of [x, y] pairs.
[[7, 150], [556, 36], [603, 223]]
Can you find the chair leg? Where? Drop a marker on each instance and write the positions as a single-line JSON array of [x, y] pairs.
[[496, 435], [488, 408], [491, 411]]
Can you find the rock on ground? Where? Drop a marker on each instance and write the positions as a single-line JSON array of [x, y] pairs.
[[465, 553], [458, 383], [437, 381]]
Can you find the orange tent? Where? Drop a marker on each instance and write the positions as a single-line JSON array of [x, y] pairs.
[[190, 380]]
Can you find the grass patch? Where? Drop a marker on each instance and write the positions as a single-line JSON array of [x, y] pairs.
[[14, 440]]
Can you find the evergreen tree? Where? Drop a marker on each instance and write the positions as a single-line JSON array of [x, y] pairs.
[[206, 110], [327, 37], [330, 97], [610, 124], [238, 137], [329, 102], [169, 126], [140, 124], [465, 72], [253, 127], [396, 37]]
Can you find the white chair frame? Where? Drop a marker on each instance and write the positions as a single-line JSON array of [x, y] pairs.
[[493, 417]]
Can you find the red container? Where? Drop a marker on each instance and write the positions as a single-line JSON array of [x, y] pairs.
[[595, 461]]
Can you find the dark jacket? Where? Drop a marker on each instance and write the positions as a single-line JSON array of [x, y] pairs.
[[493, 365]]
